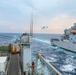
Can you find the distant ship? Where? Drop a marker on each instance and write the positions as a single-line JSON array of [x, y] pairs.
[[67, 40]]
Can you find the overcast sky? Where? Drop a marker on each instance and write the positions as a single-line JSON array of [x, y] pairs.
[[56, 14]]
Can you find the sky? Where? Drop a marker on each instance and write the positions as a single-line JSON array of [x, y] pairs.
[[15, 15]]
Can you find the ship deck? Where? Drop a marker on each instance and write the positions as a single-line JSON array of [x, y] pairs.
[[13, 66]]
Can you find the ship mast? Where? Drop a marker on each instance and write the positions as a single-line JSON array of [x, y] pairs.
[[31, 23]]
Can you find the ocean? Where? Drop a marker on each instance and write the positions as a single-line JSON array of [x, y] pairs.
[[63, 60]]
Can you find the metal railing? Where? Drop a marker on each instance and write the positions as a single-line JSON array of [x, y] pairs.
[[53, 70]]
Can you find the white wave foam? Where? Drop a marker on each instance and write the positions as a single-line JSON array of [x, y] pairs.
[[67, 68], [51, 59], [41, 40], [54, 47], [69, 60]]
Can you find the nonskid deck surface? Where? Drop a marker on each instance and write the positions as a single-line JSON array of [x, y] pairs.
[[13, 66]]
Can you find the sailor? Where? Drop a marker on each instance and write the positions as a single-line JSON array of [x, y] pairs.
[[33, 67]]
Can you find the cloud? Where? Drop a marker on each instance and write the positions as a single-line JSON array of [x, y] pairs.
[[56, 14], [56, 24], [64, 20], [61, 22], [10, 27], [20, 29]]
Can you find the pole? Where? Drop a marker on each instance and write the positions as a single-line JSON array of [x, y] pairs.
[[31, 23]]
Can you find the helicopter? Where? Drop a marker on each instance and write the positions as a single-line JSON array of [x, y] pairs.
[[44, 27]]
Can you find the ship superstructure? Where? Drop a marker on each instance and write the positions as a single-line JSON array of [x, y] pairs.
[[70, 34], [67, 40]]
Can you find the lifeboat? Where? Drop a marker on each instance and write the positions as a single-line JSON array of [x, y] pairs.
[[73, 31]]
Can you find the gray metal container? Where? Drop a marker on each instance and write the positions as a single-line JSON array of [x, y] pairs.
[[3, 63]]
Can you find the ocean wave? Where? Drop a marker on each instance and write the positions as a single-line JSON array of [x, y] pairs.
[[67, 68], [51, 59], [63, 60], [41, 40]]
